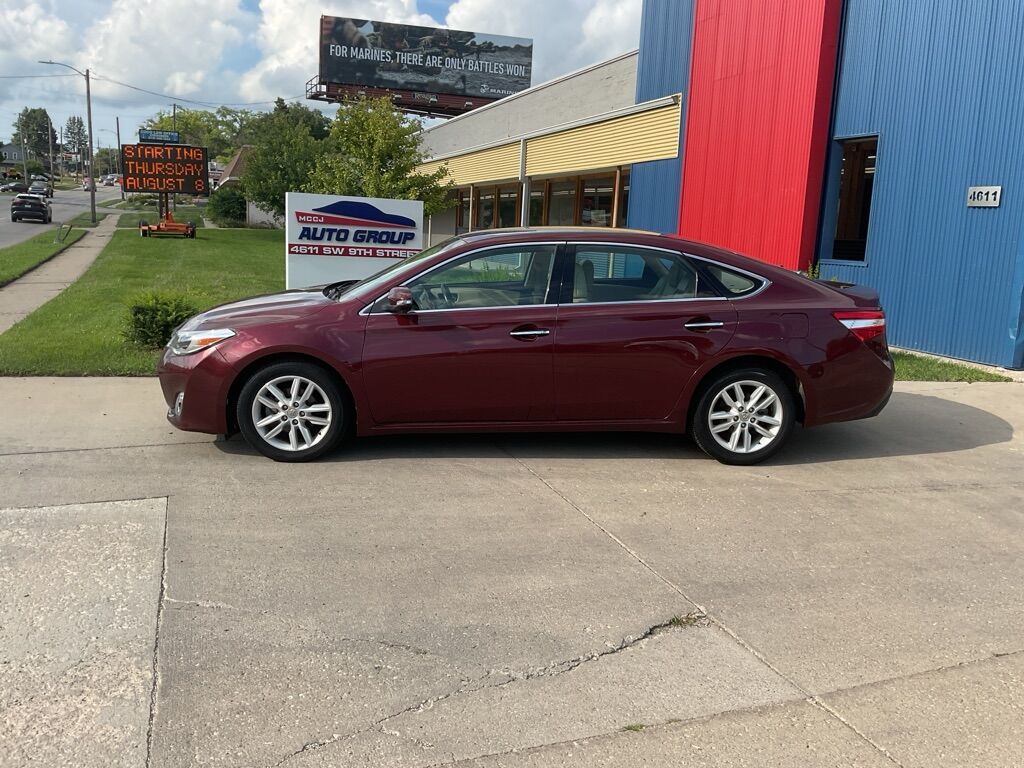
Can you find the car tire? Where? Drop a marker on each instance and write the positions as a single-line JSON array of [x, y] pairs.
[[296, 434], [743, 416]]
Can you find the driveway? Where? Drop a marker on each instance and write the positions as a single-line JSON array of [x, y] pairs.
[[66, 204], [574, 600]]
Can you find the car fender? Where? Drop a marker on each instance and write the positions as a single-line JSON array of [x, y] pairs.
[[680, 413]]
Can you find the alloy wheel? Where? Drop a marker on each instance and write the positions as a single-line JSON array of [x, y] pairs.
[[292, 413], [745, 416]]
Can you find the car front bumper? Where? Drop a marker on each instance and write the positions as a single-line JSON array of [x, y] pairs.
[[202, 382]]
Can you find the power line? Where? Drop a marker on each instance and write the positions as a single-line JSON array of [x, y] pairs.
[[191, 101], [26, 77]]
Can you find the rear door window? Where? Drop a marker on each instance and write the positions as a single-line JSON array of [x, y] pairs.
[[620, 273]]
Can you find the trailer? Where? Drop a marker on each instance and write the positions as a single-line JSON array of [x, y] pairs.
[[167, 225]]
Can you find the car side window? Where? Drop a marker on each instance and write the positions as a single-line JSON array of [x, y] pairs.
[[498, 277], [736, 284], [615, 273]]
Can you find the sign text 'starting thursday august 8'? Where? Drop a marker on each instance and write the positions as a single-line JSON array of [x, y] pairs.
[[165, 168]]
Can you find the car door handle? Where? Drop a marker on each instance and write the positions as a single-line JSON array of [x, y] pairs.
[[702, 325], [529, 333]]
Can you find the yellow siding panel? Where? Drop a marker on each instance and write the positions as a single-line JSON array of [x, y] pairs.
[[636, 138], [494, 164]]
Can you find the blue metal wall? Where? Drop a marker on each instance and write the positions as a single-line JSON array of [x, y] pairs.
[[942, 85], [666, 38]]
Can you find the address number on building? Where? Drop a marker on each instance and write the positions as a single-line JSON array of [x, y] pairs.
[[984, 197]]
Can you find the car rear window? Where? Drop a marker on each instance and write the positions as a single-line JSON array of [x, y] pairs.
[[735, 283]]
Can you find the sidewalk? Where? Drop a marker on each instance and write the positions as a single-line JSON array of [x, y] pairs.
[[26, 294]]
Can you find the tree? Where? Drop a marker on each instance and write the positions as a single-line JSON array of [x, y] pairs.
[[75, 138], [222, 132], [373, 151], [33, 124], [286, 144], [227, 207], [315, 120], [106, 161]]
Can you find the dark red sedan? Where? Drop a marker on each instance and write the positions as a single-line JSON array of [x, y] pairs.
[[538, 329]]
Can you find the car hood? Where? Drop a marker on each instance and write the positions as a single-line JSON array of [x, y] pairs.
[[272, 308]]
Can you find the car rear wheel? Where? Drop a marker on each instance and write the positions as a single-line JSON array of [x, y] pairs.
[[292, 411], [744, 416]]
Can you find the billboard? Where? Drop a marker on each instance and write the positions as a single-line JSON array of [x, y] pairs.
[[337, 237], [401, 57], [174, 168]]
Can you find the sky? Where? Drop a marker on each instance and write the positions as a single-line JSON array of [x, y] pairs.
[[246, 53]]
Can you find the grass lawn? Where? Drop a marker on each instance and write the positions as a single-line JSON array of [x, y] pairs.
[[66, 185], [80, 331], [183, 214], [16, 260], [85, 219], [911, 367]]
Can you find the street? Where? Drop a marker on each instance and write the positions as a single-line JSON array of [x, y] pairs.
[[516, 600], [66, 204]]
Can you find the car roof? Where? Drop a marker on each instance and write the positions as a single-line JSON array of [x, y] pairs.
[[639, 237], [27, 196]]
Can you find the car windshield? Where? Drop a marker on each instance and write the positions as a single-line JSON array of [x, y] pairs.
[[401, 267]]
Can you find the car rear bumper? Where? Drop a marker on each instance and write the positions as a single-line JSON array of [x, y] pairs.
[[203, 381], [857, 385]]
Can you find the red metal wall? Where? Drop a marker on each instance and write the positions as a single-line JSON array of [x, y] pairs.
[[757, 125]]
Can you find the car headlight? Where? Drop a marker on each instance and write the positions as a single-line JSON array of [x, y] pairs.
[[187, 342]]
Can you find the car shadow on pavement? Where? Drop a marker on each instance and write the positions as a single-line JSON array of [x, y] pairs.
[[912, 424]]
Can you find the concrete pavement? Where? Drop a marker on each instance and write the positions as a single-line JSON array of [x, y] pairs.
[[509, 601], [25, 295]]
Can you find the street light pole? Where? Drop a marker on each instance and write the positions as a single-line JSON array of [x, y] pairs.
[[24, 149], [88, 111], [120, 170]]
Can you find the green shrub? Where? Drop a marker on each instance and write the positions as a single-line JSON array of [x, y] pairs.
[[227, 207], [152, 318]]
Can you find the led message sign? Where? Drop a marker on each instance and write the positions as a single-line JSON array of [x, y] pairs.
[[169, 168]]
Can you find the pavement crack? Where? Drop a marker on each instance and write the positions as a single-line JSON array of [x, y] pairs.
[[696, 618], [156, 641]]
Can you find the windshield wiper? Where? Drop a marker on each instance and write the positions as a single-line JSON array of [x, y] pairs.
[[334, 290]]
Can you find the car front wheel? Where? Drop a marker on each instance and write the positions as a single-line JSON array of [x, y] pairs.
[[292, 411], [744, 416]]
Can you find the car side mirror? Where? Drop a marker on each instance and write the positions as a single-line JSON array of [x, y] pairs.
[[400, 300]]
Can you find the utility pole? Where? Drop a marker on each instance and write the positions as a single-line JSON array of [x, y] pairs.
[[174, 127], [120, 170], [49, 137], [24, 149], [92, 181]]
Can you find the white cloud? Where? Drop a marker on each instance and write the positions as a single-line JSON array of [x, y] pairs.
[[172, 47], [288, 39], [567, 34]]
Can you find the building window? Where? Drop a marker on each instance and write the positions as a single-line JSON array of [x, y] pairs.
[[462, 212], [624, 201], [598, 202], [562, 204], [856, 183], [537, 205], [508, 206], [484, 209]]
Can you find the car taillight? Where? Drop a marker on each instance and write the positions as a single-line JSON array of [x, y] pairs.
[[864, 324]]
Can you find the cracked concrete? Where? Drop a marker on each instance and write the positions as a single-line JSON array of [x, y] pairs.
[[79, 590], [425, 601]]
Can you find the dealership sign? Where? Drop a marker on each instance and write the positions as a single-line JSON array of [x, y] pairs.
[[172, 168], [335, 237], [422, 60]]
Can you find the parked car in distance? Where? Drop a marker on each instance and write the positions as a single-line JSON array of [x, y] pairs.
[[546, 329], [40, 188], [29, 206], [14, 186]]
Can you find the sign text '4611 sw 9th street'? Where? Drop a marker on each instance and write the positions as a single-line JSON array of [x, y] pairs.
[[165, 168]]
